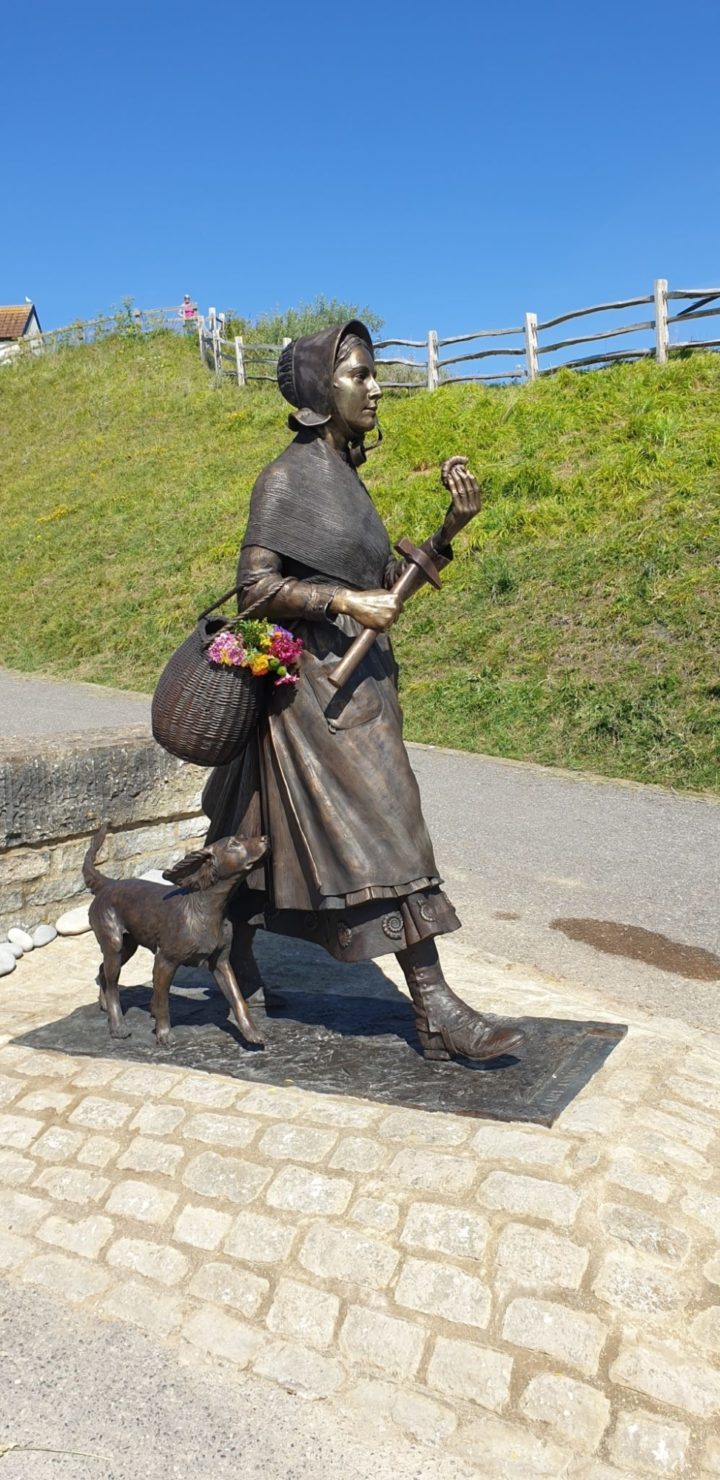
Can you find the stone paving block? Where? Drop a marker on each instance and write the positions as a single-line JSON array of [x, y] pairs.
[[142, 1201], [395, 1346], [148, 1083], [632, 1285], [711, 1455], [425, 1126], [462, 1369], [539, 1259], [9, 1089], [264, 1099], [14, 1250], [666, 1376], [70, 1184], [98, 1151], [711, 1270], [626, 1172], [157, 1120], [257, 1239], [298, 1370], [300, 1191], [531, 1196], [147, 1155], [345, 1114], [100, 1114], [20, 1212], [202, 1227], [443, 1230], [74, 1279], [509, 1451], [45, 1099], [374, 1212], [84, 1236], [505, 1143], [570, 1336], [432, 1171], [646, 1232], [48, 1066], [643, 1443], [201, 1089], [155, 1261], [596, 1113], [226, 1178], [17, 1132], [58, 1144], [12, 1057], [303, 1313], [15, 1170], [139, 1304], [673, 1155], [220, 1335], [340, 1254], [442, 1290], [631, 1085], [358, 1154], [705, 1329], [576, 1413], [694, 1133], [705, 1206], [96, 1073], [705, 1093], [225, 1284], [230, 1131], [297, 1143], [418, 1416]]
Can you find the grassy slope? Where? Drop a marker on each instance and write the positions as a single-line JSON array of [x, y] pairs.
[[579, 625]]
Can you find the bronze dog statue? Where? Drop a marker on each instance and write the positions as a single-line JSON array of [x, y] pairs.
[[183, 926]]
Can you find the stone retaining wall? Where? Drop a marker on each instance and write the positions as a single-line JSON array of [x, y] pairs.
[[55, 792]]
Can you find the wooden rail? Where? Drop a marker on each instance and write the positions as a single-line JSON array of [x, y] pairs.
[[532, 348]]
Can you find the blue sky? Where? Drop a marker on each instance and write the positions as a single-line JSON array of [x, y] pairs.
[[452, 165]]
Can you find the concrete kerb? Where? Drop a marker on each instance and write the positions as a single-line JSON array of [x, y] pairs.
[[556, 1314]]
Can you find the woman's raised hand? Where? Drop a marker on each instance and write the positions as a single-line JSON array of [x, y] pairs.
[[465, 493], [375, 609]]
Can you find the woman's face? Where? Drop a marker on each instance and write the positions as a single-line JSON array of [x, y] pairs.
[[355, 390]]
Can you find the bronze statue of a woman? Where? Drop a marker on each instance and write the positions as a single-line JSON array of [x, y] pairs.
[[327, 776]]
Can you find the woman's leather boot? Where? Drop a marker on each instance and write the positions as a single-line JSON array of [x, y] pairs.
[[446, 1026]]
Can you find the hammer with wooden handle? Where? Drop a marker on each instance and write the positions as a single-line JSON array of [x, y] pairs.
[[420, 568]]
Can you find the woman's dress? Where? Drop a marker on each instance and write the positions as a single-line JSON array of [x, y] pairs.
[[327, 776]]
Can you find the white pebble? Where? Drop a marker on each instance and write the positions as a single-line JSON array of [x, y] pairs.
[[9, 945], [7, 961], [73, 922], [43, 934], [21, 938]]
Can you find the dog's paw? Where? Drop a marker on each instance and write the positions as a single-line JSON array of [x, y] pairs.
[[120, 1030], [166, 1040], [251, 1035]]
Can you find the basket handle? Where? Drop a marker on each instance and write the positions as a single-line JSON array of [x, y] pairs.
[[234, 591]]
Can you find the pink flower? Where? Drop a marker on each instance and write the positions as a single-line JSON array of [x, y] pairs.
[[287, 678], [227, 649]]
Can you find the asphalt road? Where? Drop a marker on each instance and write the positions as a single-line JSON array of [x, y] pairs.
[[521, 847]]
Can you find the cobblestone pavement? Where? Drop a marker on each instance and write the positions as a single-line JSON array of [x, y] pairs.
[[537, 1302]]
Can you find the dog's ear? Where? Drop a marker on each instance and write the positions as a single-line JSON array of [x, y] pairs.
[[192, 870]]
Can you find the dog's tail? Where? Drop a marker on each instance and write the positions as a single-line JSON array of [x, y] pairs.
[[92, 876]]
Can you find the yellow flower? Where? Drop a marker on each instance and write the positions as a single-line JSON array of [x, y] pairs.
[[259, 665]]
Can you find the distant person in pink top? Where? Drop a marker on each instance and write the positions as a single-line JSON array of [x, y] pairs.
[[188, 310]]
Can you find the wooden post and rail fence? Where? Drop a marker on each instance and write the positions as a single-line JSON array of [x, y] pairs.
[[529, 347]]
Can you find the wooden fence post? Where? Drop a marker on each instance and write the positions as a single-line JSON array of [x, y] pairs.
[[239, 360], [662, 337], [433, 368], [201, 337], [531, 345]]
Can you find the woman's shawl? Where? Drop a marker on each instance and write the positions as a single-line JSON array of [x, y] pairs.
[[310, 506]]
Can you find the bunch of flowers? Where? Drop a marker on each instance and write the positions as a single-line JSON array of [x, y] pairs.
[[263, 647]]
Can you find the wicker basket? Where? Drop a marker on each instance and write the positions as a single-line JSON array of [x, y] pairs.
[[205, 712]]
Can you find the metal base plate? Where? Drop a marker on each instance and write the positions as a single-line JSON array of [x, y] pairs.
[[344, 1040]]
